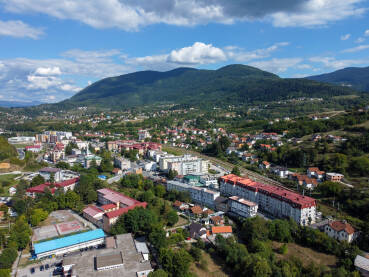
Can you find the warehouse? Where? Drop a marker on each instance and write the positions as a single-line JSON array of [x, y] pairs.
[[68, 244]]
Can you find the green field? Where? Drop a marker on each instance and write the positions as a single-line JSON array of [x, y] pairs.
[[6, 181]]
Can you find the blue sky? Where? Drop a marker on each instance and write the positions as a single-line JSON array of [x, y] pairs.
[[50, 49]]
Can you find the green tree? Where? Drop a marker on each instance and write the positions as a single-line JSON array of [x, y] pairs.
[[195, 253], [38, 215], [37, 180], [172, 218], [172, 174], [7, 258], [236, 171], [158, 273]]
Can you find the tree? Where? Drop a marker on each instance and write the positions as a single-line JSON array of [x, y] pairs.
[[236, 171], [37, 180], [159, 190], [172, 218], [37, 216], [172, 174], [52, 178], [7, 258], [63, 165], [195, 253]]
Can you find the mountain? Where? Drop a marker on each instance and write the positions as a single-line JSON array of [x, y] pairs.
[[16, 104], [355, 77], [232, 84]]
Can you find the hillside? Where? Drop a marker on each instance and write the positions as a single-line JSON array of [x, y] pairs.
[[6, 150], [355, 77], [233, 84]]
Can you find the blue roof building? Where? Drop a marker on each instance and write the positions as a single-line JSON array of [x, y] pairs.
[[69, 243]]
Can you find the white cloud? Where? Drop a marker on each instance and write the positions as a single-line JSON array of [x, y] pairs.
[[345, 37], [19, 29], [48, 71], [356, 49], [333, 63], [277, 65], [240, 55], [132, 14], [360, 40], [198, 53]]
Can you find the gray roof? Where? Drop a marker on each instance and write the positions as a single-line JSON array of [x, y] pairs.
[[362, 263], [141, 245], [113, 259]]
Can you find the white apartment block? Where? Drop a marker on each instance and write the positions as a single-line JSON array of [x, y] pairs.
[[242, 207], [202, 196], [274, 200], [184, 165]]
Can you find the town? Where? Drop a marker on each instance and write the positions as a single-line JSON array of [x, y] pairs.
[[102, 204]]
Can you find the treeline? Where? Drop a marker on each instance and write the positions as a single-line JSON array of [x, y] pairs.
[[256, 257], [305, 126]]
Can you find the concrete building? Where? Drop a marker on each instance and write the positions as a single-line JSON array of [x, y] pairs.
[[143, 134], [340, 230], [242, 207], [120, 258], [334, 177], [68, 244], [46, 173], [274, 200], [203, 196], [122, 163], [184, 165]]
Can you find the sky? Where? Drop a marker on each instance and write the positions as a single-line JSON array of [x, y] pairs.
[[51, 49]]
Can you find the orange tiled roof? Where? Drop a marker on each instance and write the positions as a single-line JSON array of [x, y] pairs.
[[340, 225], [221, 229], [196, 210]]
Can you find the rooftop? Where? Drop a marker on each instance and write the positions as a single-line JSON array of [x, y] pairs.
[[68, 241], [221, 229], [114, 259], [362, 262]]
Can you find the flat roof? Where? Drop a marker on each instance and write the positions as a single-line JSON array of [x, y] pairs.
[[68, 241], [113, 259]]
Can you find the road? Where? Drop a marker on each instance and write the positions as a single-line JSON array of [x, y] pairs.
[[114, 179], [21, 153]]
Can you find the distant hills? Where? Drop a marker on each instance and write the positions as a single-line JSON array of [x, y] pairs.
[[16, 104], [354, 77], [232, 84]]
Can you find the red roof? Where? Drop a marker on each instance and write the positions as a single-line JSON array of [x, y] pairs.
[[121, 211], [273, 191], [341, 226], [92, 210], [108, 207], [41, 188], [32, 146]]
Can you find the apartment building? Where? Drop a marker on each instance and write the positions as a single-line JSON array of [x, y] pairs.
[[242, 207], [274, 200], [184, 165]]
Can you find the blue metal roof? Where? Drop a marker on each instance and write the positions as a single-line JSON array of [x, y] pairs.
[[68, 241]]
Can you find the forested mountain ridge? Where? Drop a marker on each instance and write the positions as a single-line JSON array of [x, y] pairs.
[[355, 77], [229, 85]]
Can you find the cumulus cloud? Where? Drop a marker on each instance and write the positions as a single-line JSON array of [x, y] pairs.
[[31, 79], [19, 29], [277, 65], [132, 14], [48, 71], [241, 55], [356, 49], [345, 37]]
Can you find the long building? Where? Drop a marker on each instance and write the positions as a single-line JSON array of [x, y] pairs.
[[112, 205], [68, 244], [199, 195], [184, 165], [274, 200]]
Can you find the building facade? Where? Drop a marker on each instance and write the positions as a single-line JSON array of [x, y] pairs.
[[242, 207], [274, 200]]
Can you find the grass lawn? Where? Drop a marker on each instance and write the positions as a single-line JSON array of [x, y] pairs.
[[306, 255], [6, 181], [174, 151], [213, 267], [181, 221]]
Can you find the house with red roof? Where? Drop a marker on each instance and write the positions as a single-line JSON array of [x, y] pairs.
[[65, 185], [340, 230]]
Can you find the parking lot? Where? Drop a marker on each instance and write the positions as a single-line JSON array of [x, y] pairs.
[[46, 268]]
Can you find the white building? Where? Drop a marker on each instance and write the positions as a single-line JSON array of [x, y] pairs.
[[340, 230], [20, 140], [242, 207], [184, 165], [122, 163], [274, 200], [204, 196], [46, 173], [143, 134]]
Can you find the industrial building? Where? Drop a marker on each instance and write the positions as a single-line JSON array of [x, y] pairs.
[[68, 244]]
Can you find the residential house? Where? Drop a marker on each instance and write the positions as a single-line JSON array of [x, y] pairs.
[[281, 172], [264, 165], [340, 230], [314, 172], [362, 265], [217, 220], [334, 177], [196, 211], [196, 230]]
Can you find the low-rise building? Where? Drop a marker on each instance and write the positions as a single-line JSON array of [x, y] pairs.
[[334, 177], [242, 207], [122, 163], [340, 230], [40, 189], [362, 265], [46, 173]]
